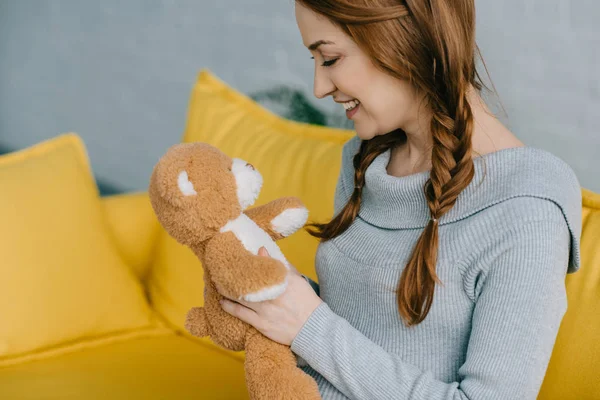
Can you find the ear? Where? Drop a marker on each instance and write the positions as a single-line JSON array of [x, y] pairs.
[[170, 180], [185, 186]]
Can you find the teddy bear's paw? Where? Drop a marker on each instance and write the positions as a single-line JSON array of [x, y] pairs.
[[268, 293], [298, 385], [195, 322], [289, 221]]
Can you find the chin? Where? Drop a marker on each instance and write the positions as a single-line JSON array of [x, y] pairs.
[[365, 134], [361, 132], [369, 132]]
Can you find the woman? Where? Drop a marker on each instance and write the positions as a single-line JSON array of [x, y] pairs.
[[442, 273]]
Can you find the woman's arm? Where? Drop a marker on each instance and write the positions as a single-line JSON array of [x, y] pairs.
[[517, 313]]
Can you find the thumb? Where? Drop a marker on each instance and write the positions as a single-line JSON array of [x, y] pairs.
[[263, 252]]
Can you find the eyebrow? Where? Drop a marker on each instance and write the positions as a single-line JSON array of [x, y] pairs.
[[318, 43]]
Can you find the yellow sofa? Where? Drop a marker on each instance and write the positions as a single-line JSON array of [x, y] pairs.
[[131, 348]]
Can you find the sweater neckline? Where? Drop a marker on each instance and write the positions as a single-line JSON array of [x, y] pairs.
[[393, 202], [399, 202]]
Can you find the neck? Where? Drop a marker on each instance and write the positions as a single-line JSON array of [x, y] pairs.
[[414, 155]]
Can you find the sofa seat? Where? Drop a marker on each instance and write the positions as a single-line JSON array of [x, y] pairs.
[[163, 367]]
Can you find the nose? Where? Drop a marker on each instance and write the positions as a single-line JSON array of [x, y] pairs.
[[323, 84], [250, 165]]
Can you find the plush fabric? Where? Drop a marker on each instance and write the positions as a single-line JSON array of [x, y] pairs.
[[63, 284], [297, 159], [201, 198]]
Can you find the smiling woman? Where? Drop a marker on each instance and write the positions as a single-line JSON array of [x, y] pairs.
[[442, 270], [355, 78]]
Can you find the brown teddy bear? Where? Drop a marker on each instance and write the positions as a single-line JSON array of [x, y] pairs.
[[200, 196]]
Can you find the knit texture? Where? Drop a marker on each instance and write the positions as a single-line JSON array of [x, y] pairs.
[[504, 249]]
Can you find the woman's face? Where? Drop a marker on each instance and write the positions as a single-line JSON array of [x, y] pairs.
[[346, 73]]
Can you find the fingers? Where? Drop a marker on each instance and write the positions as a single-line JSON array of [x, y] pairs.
[[244, 303], [240, 311]]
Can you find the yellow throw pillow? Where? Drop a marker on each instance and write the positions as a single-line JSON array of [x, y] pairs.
[[575, 361], [295, 159], [63, 285]]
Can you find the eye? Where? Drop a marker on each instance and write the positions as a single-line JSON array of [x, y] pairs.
[[327, 63]]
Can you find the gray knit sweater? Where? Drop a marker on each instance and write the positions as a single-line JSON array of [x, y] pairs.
[[504, 250]]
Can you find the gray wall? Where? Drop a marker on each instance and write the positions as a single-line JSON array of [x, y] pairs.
[[120, 73]]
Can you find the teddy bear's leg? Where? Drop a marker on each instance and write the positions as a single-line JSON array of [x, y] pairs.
[[195, 322], [271, 371]]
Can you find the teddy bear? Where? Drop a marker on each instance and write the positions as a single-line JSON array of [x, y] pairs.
[[201, 197]]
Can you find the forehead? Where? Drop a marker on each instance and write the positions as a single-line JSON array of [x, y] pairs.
[[315, 27]]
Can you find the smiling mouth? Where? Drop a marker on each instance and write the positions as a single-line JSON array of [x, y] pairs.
[[351, 111], [350, 105]]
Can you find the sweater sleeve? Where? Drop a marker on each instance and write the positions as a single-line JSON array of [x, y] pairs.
[[518, 308]]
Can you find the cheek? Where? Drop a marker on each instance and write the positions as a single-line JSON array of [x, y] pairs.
[[348, 82], [384, 112], [390, 106]]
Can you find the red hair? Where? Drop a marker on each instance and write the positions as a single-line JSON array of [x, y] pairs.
[[430, 43]]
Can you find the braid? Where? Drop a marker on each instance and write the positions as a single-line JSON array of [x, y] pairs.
[[368, 151], [452, 170]]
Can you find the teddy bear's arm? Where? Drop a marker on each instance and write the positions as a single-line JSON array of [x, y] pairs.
[[281, 217], [239, 274]]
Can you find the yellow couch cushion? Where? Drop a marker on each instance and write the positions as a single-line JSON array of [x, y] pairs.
[[166, 367], [63, 284], [134, 227], [295, 159], [574, 367]]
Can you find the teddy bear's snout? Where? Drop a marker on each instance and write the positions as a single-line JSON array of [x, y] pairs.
[[251, 166]]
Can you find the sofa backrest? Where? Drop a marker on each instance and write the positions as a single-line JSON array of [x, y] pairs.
[[574, 370]]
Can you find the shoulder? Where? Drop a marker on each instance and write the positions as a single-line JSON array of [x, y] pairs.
[[554, 196], [518, 185], [529, 201], [525, 184], [513, 212]]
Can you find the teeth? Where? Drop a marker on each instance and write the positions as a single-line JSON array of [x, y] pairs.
[[351, 104]]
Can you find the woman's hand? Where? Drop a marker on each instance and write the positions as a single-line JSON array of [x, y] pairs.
[[282, 318]]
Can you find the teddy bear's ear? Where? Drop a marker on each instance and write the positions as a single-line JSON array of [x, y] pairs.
[[185, 186], [171, 181]]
